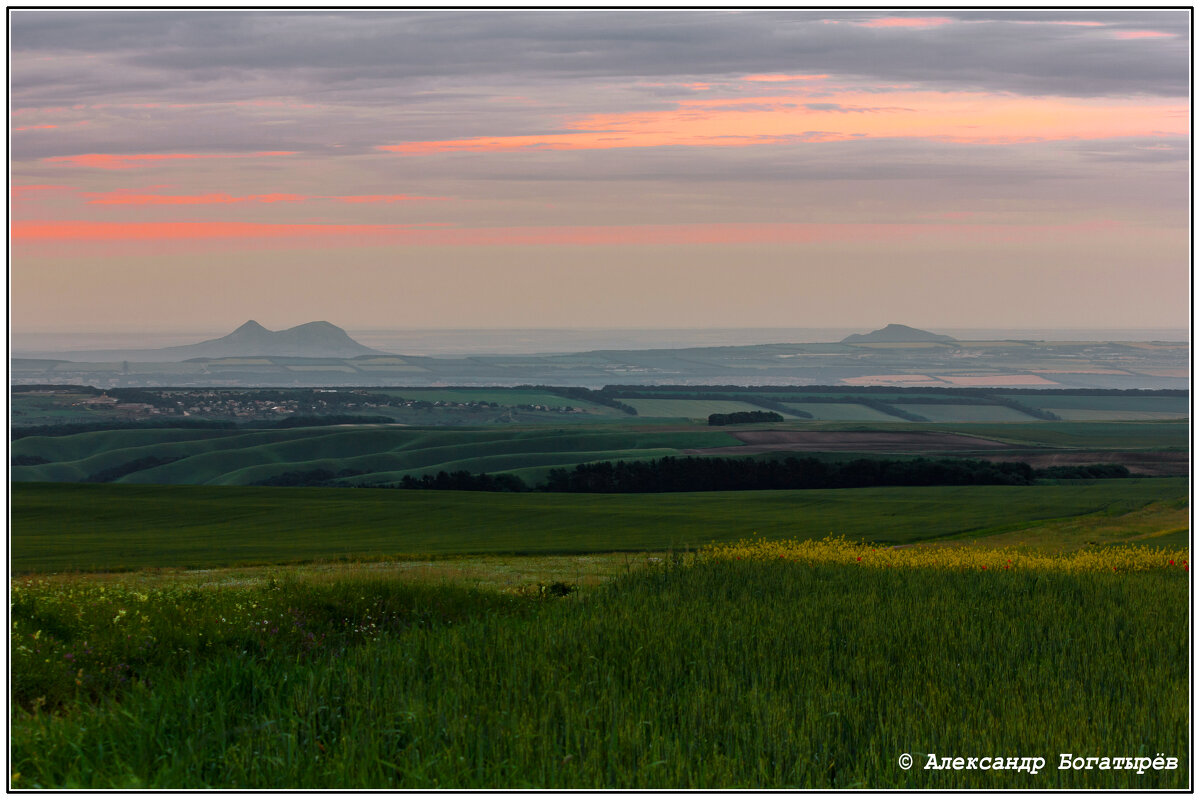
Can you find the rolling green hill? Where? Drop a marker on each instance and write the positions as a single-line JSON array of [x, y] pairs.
[[379, 453]]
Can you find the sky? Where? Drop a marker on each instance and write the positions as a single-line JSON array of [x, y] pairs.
[[190, 170]]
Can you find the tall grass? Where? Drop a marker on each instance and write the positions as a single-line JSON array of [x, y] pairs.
[[723, 674]]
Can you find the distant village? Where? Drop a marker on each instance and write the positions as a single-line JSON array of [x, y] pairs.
[[258, 404]]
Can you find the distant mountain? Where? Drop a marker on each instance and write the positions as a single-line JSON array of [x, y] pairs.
[[310, 340], [896, 333]]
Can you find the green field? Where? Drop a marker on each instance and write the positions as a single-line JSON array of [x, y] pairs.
[[687, 409], [947, 412], [1175, 405], [58, 527], [724, 674], [1128, 435], [1089, 414], [842, 411]]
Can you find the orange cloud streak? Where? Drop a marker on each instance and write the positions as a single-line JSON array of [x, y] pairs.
[[779, 233], [87, 231], [121, 161], [741, 122], [125, 198]]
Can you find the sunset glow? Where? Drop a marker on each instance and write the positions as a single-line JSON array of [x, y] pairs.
[[781, 119], [906, 22], [480, 164]]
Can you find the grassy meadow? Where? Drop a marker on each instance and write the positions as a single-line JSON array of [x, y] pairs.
[[740, 668]]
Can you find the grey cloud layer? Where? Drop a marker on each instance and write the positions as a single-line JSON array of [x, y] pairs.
[[313, 53]]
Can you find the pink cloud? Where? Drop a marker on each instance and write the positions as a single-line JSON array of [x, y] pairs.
[[1142, 35], [905, 22], [35, 127], [1080, 24], [131, 161], [782, 78], [74, 231], [31, 188]]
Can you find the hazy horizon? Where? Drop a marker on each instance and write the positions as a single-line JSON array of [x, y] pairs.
[[519, 341], [619, 168]]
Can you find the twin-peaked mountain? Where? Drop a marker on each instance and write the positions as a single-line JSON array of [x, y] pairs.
[[310, 340]]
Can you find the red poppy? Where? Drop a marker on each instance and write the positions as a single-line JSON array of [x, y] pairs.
[[858, 559]]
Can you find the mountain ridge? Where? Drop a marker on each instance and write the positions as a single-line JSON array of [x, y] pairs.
[[894, 333], [318, 339]]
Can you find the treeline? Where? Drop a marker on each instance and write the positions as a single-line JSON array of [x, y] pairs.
[[56, 387], [691, 474], [1075, 471], [740, 417], [462, 480]]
